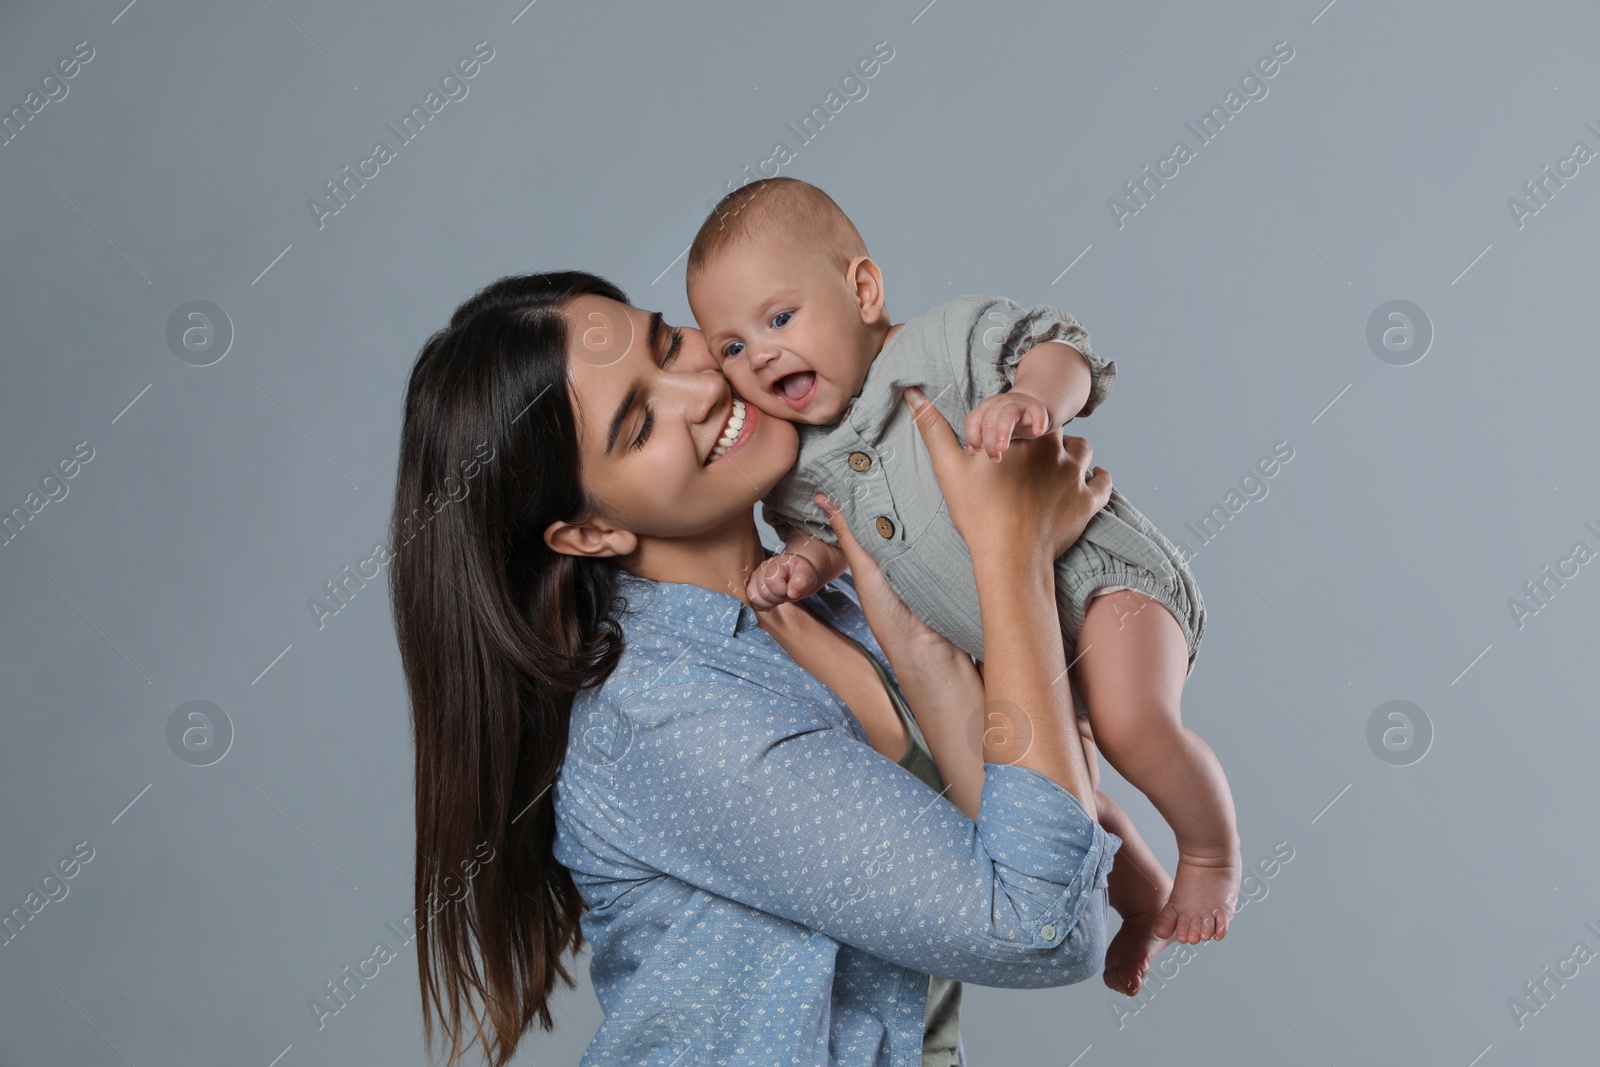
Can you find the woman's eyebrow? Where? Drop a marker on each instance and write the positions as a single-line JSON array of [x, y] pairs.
[[653, 338], [621, 416]]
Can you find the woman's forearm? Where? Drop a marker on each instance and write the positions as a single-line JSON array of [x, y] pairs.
[[1029, 717], [944, 690]]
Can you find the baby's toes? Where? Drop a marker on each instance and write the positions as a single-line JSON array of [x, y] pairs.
[[1208, 927], [1167, 922]]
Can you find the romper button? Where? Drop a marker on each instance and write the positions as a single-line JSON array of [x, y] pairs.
[[1048, 932], [885, 527], [860, 461]]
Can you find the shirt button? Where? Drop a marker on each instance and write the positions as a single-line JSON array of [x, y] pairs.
[[885, 526], [860, 461], [1048, 931]]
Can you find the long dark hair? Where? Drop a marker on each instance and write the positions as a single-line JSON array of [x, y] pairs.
[[496, 633]]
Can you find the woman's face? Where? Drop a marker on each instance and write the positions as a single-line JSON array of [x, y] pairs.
[[655, 419]]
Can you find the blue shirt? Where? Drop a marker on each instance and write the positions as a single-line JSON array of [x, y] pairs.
[[764, 887]]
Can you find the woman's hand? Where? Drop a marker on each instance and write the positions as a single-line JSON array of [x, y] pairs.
[[1031, 506], [893, 624]]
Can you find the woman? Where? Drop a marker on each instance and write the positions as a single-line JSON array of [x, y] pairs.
[[758, 882]]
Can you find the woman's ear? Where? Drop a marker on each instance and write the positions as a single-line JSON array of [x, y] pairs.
[[593, 539], [866, 285]]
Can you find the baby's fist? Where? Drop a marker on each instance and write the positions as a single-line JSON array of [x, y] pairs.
[[991, 426], [781, 579]]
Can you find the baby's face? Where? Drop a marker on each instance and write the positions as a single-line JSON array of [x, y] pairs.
[[785, 325]]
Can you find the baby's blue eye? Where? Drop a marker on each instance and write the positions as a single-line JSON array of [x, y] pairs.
[[781, 319], [733, 348]]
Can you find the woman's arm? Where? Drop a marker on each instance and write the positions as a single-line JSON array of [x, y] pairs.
[[1024, 715], [940, 682], [752, 794], [1017, 516]]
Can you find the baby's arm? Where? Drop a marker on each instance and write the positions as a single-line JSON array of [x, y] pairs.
[[1052, 384], [806, 564]]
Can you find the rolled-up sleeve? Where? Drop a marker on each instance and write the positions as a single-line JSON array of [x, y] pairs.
[[754, 796], [1002, 332]]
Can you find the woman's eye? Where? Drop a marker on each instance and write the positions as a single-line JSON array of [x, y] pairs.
[[781, 319], [733, 349], [644, 430], [672, 348]]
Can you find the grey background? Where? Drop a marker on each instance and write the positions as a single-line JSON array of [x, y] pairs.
[[1236, 303]]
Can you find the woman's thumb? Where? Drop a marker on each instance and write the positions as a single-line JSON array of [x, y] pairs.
[[936, 431], [841, 529]]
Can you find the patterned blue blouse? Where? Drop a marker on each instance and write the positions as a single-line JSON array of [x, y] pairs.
[[764, 887]]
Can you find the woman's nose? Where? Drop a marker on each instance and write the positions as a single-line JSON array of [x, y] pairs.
[[697, 393]]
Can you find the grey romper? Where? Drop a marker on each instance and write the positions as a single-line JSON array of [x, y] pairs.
[[874, 464]]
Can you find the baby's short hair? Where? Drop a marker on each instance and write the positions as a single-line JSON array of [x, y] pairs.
[[768, 204]]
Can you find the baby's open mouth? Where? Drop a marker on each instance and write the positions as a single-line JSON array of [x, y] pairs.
[[797, 388]]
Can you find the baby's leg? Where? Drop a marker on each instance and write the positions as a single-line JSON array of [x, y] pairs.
[[1132, 660], [1138, 887]]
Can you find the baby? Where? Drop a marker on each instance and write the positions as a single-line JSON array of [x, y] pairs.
[[781, 284]]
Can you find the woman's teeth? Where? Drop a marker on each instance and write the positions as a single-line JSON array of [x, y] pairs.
[[730, 433]]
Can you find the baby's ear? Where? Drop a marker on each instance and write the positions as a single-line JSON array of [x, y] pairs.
[[866, 283]]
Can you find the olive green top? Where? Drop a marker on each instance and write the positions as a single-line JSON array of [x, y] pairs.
[[941, 1036]]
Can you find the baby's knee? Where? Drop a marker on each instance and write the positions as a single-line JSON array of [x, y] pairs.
[[1131, 733]]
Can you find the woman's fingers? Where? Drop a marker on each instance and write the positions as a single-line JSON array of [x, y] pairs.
[[1078, 451], [1098, 480]]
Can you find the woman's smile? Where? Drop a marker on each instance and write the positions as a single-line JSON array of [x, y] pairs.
[[739, 428]]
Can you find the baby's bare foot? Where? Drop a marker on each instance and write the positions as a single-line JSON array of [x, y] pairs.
[[1202, 901], [1138, 889], [1132, 951]]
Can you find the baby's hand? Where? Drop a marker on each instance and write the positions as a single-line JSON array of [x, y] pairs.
[[780, 579], [991, 425]]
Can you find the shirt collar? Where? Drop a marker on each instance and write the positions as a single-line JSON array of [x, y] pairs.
[[683, 604]]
